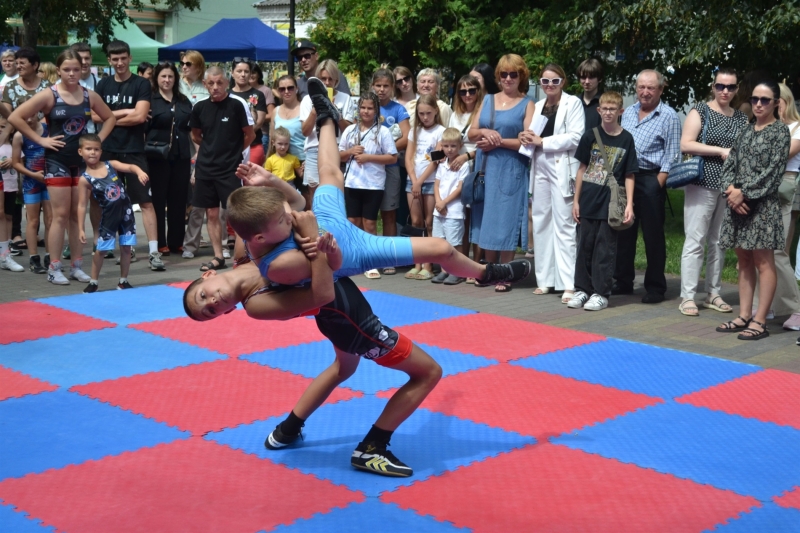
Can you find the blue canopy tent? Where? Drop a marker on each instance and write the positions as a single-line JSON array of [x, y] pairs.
[[231, 38]]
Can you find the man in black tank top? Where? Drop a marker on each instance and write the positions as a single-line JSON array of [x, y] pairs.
[[128, 96]]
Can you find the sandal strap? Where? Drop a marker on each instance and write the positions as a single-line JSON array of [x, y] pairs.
[[759, 323], [688, 301]]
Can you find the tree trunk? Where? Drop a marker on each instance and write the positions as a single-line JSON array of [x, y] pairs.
[[30, 23]]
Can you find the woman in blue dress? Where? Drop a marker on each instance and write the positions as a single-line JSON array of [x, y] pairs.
[[499, 223]]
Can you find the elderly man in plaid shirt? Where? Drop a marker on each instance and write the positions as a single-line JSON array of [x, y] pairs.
[[656, 131]]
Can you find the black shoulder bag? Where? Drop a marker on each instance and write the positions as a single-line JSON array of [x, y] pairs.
[[161, 149]]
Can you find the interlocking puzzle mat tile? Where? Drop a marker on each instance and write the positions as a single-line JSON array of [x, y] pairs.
[[430, 443], [236, 333], [191, 485], [311, 359], [528, 401], [24, 321], [124, 307], [790, 499], [371, 515], [180, 284], [14, 384], [639, 367], [99, 355], [726, 451], [545, 488], [395, 310], [209, 396], [14, 522], [767, 519], [769, 396], [54, 429], [496, 337]]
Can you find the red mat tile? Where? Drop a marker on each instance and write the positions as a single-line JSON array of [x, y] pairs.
[[208, 396], [14, 384], [565, 490], [236, 334], [180, 284], [790, 499], [497, 337], [25, 321], [768, 395], [192, 485], [528, 401]]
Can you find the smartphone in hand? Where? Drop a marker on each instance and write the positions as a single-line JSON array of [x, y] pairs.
[[437, 155]]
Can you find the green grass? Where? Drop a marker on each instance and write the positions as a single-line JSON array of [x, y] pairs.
[[673, 229]]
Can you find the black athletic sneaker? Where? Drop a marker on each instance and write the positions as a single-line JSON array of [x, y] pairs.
[[322, 104], [377, 460], [36, 265], [277, 439], [90, 288], [124, 285], [511, 272]]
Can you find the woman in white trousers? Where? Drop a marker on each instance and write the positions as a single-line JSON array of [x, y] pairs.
[[553, 169]]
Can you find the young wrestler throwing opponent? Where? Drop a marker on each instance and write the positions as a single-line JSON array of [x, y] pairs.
[[347, 321]]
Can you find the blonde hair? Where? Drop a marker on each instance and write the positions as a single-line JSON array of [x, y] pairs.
[[515, 63], [197, 60], [431, 74], [451, 135], [49, 71], [791, 114], [250, 209], [330, 66], [280, 131], [431, 101], [8, 52], [611, 97]]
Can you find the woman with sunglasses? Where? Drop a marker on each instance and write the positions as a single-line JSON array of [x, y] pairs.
[[169, 177], [751, 176], [553, 169], [193, 68], [499, 222], [703, 207], [287, 115], [465, 106], [405, 89]]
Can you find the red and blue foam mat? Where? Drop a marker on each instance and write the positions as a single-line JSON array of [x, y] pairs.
[[157, 424]]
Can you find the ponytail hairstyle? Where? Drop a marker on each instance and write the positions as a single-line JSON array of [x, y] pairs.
[[772, 85], [383, 73]]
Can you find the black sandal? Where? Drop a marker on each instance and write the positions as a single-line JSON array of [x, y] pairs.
[[220, 264], [731, 326], [751, 334]]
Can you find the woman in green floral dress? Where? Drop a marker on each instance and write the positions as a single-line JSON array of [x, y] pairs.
[[753, 225]]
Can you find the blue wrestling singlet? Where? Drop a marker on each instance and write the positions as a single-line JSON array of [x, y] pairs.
[[117, 210]]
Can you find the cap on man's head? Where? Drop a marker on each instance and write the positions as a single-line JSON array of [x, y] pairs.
[[303, 43]]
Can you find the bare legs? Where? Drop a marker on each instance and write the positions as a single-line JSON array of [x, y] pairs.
[[749, 262]]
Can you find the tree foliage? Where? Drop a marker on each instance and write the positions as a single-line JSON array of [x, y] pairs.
[[49, 20], [685, 39]]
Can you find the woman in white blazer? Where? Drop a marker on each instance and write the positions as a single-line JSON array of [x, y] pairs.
[[552, 138]]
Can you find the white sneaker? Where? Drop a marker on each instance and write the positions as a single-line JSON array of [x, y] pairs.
[[79, 275], [8, 263], [226, 254], [596, 303], [770, 313], [137, 208], [187, 254], [578, 300], [56, 277]]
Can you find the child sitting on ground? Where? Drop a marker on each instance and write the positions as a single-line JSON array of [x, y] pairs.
[[101, 181], [597, 241], [281, 163], [448, 215]]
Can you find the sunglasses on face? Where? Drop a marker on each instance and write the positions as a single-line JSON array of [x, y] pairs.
[[719, 87], [472, 91], [551, 81], [241, 60], [513, 75], [185, 63], [304, 57], [754, 100], [405, 79], [286, 89]]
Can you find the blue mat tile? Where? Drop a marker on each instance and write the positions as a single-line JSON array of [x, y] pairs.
[[428, 442], [14, 522], [372, 515], [144, 304], [746, 456], [311, 359], [56, 429], [771, 518], [639, 367], [396, 311], [99, 355]]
